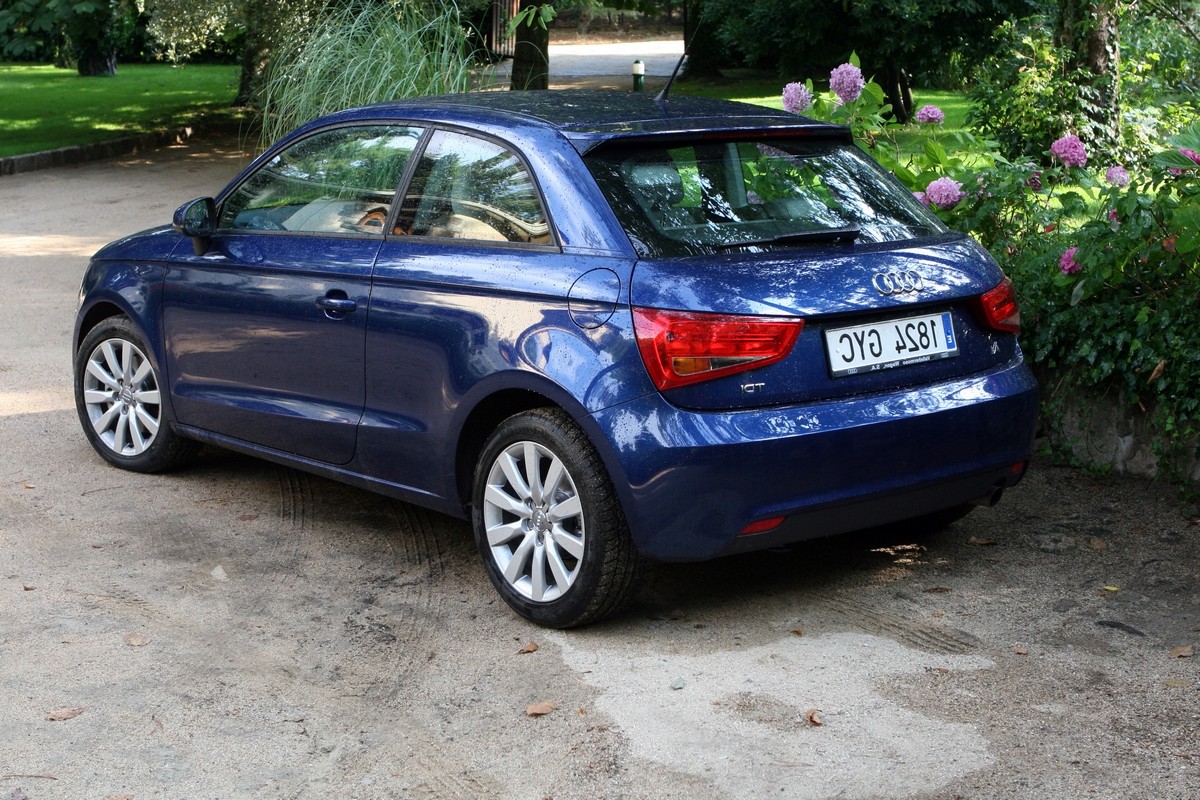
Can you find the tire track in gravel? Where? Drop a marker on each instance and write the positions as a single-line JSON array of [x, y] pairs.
[[915, 633], [402, 554]]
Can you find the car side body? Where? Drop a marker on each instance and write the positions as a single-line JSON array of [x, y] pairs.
[[369, 354]]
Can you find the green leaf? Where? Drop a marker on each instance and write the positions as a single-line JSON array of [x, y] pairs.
[[935, 152]]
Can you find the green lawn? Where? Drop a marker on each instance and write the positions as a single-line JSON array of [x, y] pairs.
[[43, 108]]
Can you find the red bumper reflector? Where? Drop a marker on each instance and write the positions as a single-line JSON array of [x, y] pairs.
[[762, 526]]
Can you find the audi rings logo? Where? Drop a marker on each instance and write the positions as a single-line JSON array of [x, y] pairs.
[[900, 282]]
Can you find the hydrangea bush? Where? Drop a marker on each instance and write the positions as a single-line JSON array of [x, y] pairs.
[[1106, 261]]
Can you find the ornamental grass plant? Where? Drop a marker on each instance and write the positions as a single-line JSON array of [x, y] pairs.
[[357, 56]]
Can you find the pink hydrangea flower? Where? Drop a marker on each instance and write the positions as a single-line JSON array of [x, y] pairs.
[[922, 198], [1117, 176], [796, 98], [1192, 154], [931, 115], [1067, 262], [847, 82], [1069, 150], [944, 192]]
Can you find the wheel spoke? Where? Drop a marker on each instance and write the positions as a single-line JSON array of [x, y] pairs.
[[150, 397], [120, 430], [104, 422], [554, 478], [533, 473], [503, 534], [537, 573], [112, 359], [138, 377], [554, 559], [569, 507], [515, 569], [147, 421], [516, 480], [567, 541], [496, 496], [104, 376], [98, 397]]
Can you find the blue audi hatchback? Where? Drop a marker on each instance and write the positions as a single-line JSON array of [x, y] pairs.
[[605, 328]]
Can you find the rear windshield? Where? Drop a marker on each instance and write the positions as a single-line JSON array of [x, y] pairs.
[[717, 196]]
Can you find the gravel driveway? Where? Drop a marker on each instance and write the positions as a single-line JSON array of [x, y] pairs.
[[241, 630]]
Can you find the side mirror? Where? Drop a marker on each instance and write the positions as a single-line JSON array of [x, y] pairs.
[[198, 221]]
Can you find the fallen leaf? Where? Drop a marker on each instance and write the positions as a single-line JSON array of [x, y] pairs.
[[1112, 588], [1185, 651], [28, 588], [539, 709], [797, 631], [247, 517], [1098, 543], [1020, 650], [532, 647], [813, 715], [981, 542], [1177, 683], [63, 714], [1158, 371], [28, 485], [136, 640], [937, 590]]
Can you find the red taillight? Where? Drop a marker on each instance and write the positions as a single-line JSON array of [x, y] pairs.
[[681, 347], [998, 308]]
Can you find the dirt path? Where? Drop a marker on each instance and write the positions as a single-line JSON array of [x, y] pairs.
[[240, 630]]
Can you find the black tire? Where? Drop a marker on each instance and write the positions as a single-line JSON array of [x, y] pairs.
[[118, 394], [560, 557]]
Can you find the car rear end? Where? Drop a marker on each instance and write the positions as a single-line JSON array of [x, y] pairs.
[[827, 355]]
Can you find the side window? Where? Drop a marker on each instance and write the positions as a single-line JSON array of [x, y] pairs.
[[465, 187], [338, 181]]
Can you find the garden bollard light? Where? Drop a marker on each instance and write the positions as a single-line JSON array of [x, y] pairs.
[[639, 75]]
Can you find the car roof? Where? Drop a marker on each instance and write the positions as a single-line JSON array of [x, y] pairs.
[[590, 117]]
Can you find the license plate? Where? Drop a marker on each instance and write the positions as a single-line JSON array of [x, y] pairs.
[[891, 343]]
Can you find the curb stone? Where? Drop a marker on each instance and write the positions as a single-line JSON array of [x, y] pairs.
[[79, 154]]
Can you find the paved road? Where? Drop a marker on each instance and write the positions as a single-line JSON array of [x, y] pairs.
[[239, 630]]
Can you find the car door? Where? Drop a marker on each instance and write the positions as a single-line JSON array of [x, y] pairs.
[[265, 331], [468, 271]]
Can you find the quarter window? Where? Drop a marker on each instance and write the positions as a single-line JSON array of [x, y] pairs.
[[465, 187], [338, 181]]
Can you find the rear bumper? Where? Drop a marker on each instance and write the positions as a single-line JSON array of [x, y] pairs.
[[691, 481]]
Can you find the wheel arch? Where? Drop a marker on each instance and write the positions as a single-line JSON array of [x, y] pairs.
[[479, 424], [93, 316]]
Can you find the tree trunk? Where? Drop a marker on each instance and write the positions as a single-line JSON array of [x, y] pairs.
[[531, 54], [91, 39], [899, 92], [700, 42], [1090, 31]]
